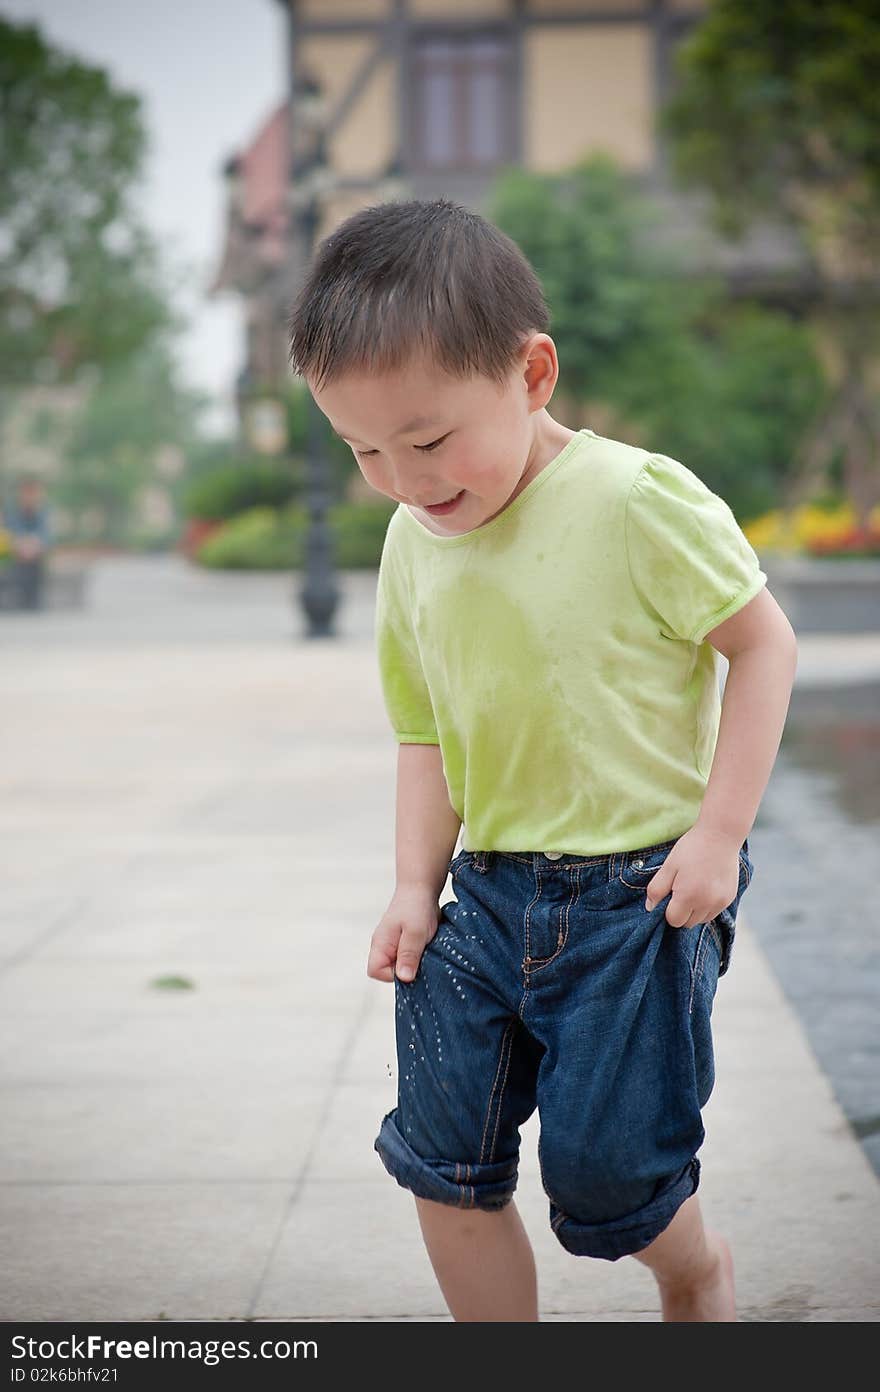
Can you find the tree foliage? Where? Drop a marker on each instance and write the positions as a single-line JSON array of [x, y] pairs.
[[84, 296], [132, 412], [79, 277], [726, 387], [776, 112]]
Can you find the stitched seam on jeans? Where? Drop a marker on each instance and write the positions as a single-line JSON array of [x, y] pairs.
[[581, 864], [698, 963], [567, 864], [457, 862], [707, 940], [574, 896], [695, 974], [501, 1099], [528, 914], [504, 1039], [572, 903], [717, 936]]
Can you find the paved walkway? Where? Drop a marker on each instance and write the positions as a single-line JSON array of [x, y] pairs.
[[192, 791]]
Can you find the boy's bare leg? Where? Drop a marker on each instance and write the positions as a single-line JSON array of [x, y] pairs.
[[483, 1261], [693, 1268]]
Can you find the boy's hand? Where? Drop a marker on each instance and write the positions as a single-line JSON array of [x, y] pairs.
[[701, 872], [405, 929]]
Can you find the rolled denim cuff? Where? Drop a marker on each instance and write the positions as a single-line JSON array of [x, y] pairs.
[[446, 1181], [621, 1237]]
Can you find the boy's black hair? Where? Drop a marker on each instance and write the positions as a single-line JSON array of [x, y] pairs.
[[402, 279]]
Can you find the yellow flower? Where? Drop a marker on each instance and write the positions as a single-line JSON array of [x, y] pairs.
[[790, 532]]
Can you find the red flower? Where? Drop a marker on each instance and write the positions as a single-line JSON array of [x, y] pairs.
[[857, 540]]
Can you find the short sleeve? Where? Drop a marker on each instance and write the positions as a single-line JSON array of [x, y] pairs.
[[689, 560], [405, 690]]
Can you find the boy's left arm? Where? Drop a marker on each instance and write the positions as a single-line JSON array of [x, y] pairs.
[[761, 648]]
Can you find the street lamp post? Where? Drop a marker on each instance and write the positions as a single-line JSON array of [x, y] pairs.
[[319, 595], [310, 180]]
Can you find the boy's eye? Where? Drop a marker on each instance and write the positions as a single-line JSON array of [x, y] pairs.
[[428, 448]]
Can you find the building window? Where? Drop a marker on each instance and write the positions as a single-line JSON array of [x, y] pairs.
[[461, 102]]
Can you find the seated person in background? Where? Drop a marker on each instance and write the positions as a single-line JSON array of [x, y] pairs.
[[30, 538]]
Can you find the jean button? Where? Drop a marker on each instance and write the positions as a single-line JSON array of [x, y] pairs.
[[554, 855]]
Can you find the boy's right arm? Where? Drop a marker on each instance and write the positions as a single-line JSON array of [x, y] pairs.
[[427, 828]]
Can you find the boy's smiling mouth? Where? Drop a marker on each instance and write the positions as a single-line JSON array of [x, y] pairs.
[[437, 509]]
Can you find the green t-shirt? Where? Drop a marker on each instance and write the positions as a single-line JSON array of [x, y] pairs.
[[557, 655]]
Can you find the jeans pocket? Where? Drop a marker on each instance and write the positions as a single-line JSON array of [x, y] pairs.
[[457, 862], [640, 866], [706, 964], [725, 923]]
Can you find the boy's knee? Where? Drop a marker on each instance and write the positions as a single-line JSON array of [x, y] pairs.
[[592, 1192], [610, 1199], [615, 1216]]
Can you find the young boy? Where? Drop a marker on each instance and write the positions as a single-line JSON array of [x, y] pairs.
[[549, 606]]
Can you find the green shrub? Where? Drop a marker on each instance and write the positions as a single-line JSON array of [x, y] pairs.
[[236, 487], [265, 538], [359, 531], [259, 539]]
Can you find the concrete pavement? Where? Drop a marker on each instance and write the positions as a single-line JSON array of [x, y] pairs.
[[193, 792]]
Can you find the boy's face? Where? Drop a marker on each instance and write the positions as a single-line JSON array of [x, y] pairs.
[[473, 438]]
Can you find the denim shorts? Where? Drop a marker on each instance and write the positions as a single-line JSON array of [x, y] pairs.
[[548, 984]]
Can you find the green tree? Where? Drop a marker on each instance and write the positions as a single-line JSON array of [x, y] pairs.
[[79, 279], [726, 387], [776, 112], [132, 411], [85, 299]]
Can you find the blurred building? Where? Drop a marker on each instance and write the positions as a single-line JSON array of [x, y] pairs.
[[443, 94]]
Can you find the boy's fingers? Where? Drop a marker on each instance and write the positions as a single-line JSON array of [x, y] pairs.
[[380, 962], [379, 966], [399, 953], [655, 890], [409, 954]]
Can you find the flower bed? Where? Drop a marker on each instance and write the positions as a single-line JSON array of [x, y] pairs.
[[855, 541], [815, 529], [197, 531]]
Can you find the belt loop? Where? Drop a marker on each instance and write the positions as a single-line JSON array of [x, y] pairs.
[[481, 859]]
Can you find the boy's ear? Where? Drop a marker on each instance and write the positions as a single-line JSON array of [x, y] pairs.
[[541, 367]]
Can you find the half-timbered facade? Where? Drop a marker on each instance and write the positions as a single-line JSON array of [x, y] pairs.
[[443, 94]]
